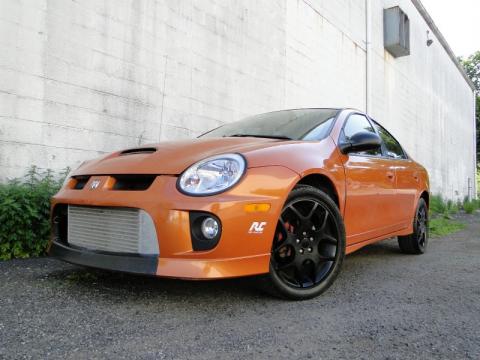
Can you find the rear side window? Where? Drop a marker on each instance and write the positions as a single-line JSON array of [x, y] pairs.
[[394, 150], [356, 123]]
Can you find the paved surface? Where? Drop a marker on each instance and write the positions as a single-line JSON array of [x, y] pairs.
[[384, 305]]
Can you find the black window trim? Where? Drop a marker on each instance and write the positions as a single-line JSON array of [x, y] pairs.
[[384, 147]]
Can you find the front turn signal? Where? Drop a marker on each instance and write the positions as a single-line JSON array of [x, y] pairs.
[[250, 208]]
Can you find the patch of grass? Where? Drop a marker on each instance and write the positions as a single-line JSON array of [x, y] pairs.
[[442, 226]]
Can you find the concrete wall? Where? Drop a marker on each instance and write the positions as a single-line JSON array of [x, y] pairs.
[[81, 78], [424, 100]]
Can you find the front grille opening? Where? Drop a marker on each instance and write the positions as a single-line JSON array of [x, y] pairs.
[[80, 181], [104, 228], [119, 230], [60, 223], [146, 150], [133, 182]]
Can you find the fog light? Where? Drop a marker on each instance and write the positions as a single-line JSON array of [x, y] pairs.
[[205, 230], [209, 228]]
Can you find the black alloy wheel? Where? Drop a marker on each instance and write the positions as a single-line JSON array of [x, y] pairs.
[[422, 227], [416, 243], [309, 245]]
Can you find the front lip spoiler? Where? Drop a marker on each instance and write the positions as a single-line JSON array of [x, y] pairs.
[[117, 262]]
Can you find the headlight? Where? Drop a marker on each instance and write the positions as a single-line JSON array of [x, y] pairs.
[[212, 175]]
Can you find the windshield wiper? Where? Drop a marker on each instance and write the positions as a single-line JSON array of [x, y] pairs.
[[260, 136]]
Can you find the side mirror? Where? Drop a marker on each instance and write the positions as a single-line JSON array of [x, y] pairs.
[[361, 141]]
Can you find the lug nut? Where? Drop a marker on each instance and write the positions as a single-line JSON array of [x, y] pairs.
[[300, 251], [304, 233], [311, 239], [297, 241], [309, 249], [313, 227]]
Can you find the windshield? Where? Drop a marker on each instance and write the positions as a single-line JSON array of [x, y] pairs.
[[304, 124]]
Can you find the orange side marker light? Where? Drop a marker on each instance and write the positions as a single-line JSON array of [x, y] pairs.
[[250, 208]]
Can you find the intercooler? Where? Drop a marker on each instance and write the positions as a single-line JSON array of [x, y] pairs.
[[112, 229]]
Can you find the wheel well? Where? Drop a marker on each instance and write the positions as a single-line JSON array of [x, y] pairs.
[[323, 183], [426, 196]]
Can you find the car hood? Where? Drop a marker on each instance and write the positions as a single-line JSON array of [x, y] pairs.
[[173, 157]]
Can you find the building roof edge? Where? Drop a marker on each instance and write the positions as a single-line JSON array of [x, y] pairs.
[[431, 24]]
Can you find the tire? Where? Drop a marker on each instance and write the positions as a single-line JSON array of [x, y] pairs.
[[416, 243], [308, 248]]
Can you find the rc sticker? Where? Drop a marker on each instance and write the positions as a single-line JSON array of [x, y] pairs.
[[257, 227]]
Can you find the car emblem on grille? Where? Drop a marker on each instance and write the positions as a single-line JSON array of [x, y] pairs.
[[94, 184]]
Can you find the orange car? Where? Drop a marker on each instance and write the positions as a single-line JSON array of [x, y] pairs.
[[285, 194]]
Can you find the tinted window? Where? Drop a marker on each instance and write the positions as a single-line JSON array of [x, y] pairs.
[[394, 150], [292, 124], [356, 123]]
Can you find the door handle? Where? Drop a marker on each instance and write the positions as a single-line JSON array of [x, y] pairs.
[[390, 175]]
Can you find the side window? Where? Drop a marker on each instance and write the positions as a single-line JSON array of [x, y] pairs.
[[394, 150], [356, 123]]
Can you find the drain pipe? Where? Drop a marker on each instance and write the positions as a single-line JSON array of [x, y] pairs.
[[368, 50], [474, 185]]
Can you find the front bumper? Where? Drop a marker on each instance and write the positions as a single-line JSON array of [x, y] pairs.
[[239, 252], [107, 261], [152, 265]]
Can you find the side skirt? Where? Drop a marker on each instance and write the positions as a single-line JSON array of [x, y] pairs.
[[354, 247]]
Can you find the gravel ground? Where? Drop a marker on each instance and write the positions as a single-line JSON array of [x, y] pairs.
[[384, 305]]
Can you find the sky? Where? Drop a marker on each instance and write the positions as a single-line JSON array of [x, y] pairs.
[[459, 22]]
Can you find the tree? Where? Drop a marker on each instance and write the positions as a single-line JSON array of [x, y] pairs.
[[472, 67]]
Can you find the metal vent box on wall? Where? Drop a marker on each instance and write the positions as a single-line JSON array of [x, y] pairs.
[[396, 32]]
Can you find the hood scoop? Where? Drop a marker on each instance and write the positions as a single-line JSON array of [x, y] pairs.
[[145, 150]]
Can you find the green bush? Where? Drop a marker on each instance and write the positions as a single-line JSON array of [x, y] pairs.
[[440, 206], [437, 204], [471, 206], [25, 213], [452, 207]]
